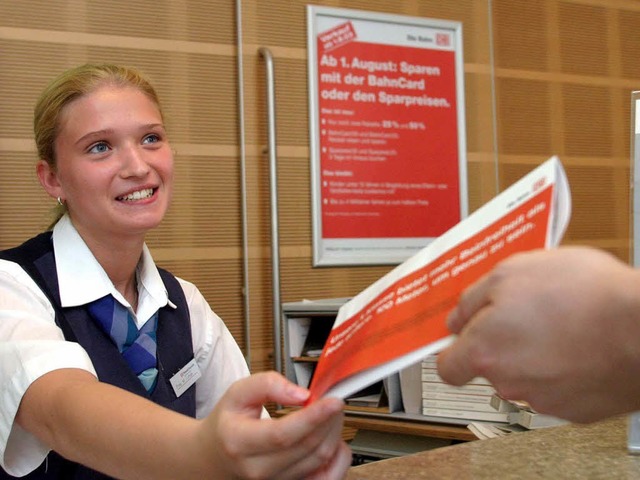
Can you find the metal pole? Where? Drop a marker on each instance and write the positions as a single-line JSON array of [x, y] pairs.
[[273, 180]]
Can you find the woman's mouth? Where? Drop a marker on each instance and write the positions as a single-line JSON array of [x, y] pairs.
[[137, 195]]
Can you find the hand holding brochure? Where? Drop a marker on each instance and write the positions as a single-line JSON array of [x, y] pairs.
[[400, 319]]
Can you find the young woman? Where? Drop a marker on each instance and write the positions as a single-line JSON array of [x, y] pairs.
[[109, 364]]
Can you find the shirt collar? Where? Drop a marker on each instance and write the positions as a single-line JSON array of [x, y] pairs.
[[82, 279]]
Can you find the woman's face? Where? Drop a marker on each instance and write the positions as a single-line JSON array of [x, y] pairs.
[[114, 163]]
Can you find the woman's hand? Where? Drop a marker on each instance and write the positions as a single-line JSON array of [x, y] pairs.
[[303, 444]]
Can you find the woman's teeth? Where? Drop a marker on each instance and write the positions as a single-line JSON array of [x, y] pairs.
[[139, 195]]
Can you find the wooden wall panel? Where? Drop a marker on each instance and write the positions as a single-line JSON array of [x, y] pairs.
[[520, 34], [588, 116], [24, 207], [628, 28], [524, 119], [584, 48], [563, 87], [193, 20]]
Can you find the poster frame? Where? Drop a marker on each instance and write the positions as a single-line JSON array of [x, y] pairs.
[[374, 251]]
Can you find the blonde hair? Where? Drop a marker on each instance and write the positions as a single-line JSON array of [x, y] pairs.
[[70, 85]]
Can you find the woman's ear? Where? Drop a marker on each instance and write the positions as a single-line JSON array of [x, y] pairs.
[[49, 179]]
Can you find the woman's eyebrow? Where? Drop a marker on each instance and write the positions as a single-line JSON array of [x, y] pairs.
[[97, 133], [108, 131]]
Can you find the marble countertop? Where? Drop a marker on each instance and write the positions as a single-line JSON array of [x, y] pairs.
[[593, 451]]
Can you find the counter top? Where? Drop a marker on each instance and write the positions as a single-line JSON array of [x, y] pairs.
[[597, 450]]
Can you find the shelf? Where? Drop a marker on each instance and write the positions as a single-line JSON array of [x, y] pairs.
[[305, 359], [420, 428], [379, 423]]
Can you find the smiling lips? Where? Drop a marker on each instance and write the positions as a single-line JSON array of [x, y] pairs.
[[138, 195]]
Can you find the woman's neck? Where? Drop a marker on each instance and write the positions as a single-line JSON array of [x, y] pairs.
[[119, 258]]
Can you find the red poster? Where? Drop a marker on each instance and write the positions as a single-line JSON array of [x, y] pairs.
[[388, 135], [388, 144]]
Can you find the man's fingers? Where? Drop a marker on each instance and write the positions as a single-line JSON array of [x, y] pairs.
[[455, 365], [471, 301]]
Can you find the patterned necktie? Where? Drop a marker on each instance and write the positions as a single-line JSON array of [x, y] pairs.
[[138, 347]]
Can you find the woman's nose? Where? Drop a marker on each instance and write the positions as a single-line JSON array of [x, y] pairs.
[[134, 162]]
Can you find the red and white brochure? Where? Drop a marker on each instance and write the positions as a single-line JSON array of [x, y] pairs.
[[400, 319]]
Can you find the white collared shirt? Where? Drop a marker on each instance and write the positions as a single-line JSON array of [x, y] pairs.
[[31, 344]]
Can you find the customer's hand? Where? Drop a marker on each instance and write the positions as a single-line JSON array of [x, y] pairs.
[[559, 328]]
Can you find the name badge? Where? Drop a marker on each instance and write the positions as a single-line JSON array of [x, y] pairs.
[[187, 376]]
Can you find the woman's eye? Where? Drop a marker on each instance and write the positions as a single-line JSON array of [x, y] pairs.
[[100, 147], [152, 138]]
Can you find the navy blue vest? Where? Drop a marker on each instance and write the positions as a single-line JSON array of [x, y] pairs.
[[175, 347]]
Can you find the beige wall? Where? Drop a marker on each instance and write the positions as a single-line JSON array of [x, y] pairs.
[[559, 83]]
